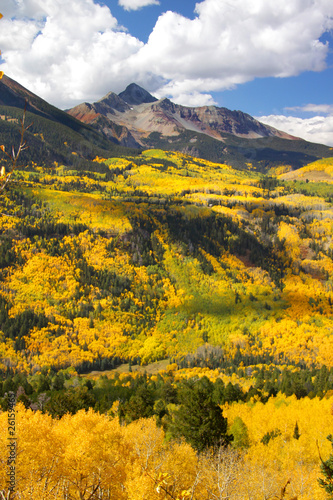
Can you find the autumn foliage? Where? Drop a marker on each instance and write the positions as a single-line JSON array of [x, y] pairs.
[[91, 456], [162, 256]]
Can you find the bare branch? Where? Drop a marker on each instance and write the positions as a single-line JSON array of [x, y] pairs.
[[14, 156]]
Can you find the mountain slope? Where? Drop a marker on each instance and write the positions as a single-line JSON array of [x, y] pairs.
[[54, 135], [158, 255]]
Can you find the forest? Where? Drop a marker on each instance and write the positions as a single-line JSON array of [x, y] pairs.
[[225, 275], [153, 257]]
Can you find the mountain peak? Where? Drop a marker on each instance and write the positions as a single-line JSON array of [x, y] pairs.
[[134, 94], [110, 102]]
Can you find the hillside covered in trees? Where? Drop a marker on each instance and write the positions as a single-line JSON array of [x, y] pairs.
[[225, 273], [153, 257]]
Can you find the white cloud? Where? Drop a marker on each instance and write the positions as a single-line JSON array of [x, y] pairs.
[[323, 109], [318, 129], [137, 4], [229, 43], [27, 8], [68, 52], [193, 99]]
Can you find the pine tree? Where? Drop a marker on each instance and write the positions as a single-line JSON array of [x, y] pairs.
[[327, 471], [296, 434], [199, 419]]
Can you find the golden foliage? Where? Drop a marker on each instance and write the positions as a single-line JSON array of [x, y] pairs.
[[180, 294], [89, 455]]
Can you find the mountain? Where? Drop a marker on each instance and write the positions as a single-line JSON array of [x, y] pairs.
[[54, 134], [142, 114], [134, 94], [136, 118], [223, 275]]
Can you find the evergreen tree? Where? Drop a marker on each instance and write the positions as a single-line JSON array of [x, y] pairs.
[[199, 419], [327, 471], [296, 434], [140, 404]]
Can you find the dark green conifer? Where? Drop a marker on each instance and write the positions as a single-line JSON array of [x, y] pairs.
[[296, 434], [327, 470], [199, 419]]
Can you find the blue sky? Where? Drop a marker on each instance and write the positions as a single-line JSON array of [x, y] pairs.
[[141, 22], [273, 60]]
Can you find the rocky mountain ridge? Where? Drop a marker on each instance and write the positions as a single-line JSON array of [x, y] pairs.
[[142, 114]]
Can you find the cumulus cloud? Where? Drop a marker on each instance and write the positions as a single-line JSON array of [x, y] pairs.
[[29, 8], [229, 43], [73, 51], [318, 129], [137, 4], [193, 99], [67, 52]]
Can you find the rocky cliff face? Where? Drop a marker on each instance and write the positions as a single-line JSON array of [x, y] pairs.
[[141, 114]]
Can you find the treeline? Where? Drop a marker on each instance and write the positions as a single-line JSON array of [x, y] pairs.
[[196, 402], [142, 396]]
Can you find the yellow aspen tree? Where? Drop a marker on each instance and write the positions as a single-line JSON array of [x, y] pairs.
[[38, 455], [93, 456], [221, 474], [146, 459]]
